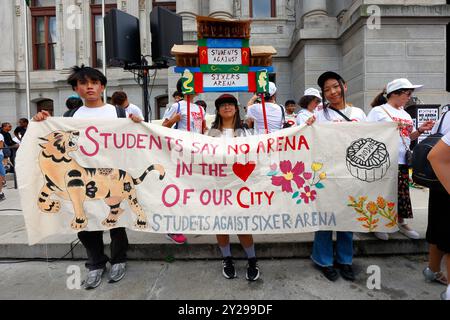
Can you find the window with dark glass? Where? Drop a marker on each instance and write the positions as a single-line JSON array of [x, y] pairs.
[[170, 5], [262, 8], [97, 27], [44, 35]]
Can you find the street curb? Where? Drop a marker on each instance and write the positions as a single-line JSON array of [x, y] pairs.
[[203, 251]]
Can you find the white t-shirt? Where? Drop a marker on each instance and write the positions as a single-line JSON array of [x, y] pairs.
[[377, 114], [291, 119], [106, 112], [328, 115], [197, 116], [446, 139], [2, 139], [274, 117], [445, 125], [135, 110], [303, 116]]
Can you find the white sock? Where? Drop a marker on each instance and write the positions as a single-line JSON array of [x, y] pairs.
[[448, 293]]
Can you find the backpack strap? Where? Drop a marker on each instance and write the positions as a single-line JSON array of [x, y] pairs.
[[442, 121], [283, 115], [178, 111], [340, 113]]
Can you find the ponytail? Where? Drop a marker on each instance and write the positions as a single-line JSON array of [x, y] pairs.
[[379, 100]]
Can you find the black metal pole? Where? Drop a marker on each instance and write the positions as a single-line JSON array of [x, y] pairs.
[[145, 98]]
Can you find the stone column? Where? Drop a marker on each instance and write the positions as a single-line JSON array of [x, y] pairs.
[[9, 15], [70, 24], [221, 9], [189, 10], [315, 8]]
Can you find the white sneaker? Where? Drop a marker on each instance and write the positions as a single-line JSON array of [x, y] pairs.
[[444, 296], [381, 235], [412, 234], [431, 276]]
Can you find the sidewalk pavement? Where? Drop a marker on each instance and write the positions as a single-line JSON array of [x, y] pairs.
[[152, 246]]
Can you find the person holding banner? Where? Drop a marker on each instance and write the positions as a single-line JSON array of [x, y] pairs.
[[228, 123], [391, 109], [265, 119], [308, 103], [89, 84], [177, 117], [438, 230], [335, 109]]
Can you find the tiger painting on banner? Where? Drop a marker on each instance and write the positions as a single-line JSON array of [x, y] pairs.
[[65, 178]]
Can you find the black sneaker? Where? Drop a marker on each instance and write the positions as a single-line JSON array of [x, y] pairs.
[[2, 196], [346, 271], [229, 271], [330, 273], [252, 270]]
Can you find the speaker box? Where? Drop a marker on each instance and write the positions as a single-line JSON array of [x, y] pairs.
[[123, 44], [166, 28]]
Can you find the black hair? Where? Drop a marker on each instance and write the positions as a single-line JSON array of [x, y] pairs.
[[179, 84], [84, 73], [217, 124], [289, 102], [202, 104], [177, 94], [24, 120], [268, 97], [306, 100], [73, 103]]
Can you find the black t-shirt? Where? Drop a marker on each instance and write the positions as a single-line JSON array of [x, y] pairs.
[[8, 139]]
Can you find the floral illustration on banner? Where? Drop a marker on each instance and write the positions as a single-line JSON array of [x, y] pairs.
[[367, 213], [292, 176]]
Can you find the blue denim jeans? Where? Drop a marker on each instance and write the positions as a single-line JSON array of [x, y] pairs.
[[2, 168], [323, 254]]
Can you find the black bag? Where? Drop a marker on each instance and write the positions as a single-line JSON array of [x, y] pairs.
[[423, 173]]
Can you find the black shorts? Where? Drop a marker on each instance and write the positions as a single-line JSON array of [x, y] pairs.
[[438, 231]]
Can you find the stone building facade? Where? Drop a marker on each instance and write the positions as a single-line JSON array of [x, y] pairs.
[[370, 42]]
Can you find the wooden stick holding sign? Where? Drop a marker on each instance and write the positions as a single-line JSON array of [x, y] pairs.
[[263, 103]]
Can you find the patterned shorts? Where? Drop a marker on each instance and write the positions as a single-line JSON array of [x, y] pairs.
[[404, 199]]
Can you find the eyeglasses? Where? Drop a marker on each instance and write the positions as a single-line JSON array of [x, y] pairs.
[[407, 92]]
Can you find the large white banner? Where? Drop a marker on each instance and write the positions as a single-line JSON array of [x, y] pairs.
[[80, 174]]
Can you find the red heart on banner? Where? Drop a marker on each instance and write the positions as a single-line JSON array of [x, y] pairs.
[[243, 171]]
